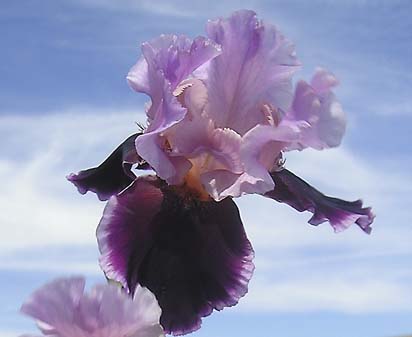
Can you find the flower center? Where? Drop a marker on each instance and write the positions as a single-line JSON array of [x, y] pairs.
[[193, 183], [192, 179]]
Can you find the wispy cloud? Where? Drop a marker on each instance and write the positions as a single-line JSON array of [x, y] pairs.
[[53, 258], [402, 108], [8, 333], [38, 205], [355, 295], [304, 268]]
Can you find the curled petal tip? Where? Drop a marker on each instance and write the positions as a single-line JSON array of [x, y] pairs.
[[366, 220], [73, 178], [341, 214], [111, 176]]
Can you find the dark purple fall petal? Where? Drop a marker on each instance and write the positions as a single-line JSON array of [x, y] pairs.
[[295, 192], [193, 255], [113, 175]]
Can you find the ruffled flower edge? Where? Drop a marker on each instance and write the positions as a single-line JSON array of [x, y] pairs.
[[193, 255]]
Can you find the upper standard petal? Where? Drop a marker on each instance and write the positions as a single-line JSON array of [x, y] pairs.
[[166, 62], [170, 59], [255, 68]]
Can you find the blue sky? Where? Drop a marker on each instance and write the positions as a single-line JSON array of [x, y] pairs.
[[65, 104]]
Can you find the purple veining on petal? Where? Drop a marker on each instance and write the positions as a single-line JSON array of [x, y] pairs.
[[255, 68], [341, 214], [113, 175], [62, 308], [193, 255]]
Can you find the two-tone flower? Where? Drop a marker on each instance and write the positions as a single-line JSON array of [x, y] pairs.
[[221, 116]]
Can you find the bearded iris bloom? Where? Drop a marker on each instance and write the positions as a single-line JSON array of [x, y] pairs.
[[222, 114], [62, 309]]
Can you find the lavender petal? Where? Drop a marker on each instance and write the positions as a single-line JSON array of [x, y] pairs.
[[254, 69], [166, 61]]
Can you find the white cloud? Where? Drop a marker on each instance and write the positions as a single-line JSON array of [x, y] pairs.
[[402, 107], [304, 268], [39, 206], [333, 294], [84, 268], [8, 333]]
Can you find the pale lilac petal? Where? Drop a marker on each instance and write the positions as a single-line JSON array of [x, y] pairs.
[[255, 68], [255, 155], [341, 214], [54, 305], [195, 129], [196, 134], [138, 77], [323, 81], [260, 148], [154, 148], [225, 148], [167, 61], [193, 255], [331, 126], [151, 146], [121, 314], [176, 57], [317, 105], [217, 153], [63, 309], [209, 149], [113, 175], [222, 183]]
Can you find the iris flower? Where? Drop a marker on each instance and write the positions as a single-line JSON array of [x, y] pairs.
[[221, 116], [62, 309]]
